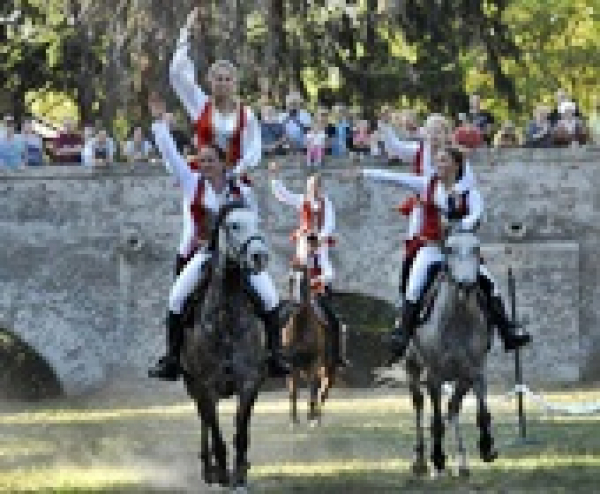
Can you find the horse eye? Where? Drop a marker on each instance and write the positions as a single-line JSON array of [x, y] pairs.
[[235, 226]]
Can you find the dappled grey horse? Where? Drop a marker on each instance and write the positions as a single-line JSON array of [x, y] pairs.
[[223, 355], [451, 346]]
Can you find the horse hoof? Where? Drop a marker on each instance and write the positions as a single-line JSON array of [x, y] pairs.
[[437, 473], [489, 456], [240, 489], [419, 468], [313, 423], [463, 472]]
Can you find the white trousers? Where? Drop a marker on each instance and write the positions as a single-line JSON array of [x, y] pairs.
[[188, 279], [427, 257]]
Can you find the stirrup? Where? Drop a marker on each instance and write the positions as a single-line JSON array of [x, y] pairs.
[[516, 341], [167, 369]]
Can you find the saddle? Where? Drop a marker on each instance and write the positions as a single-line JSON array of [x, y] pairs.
[[432, 286], [437, 275]]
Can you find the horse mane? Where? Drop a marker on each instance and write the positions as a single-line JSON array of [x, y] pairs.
[[221, 215]]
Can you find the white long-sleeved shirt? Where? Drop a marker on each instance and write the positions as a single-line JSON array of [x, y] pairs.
[[183, 79], [284, 195], [188, 180], [407, 152], [419, 185]]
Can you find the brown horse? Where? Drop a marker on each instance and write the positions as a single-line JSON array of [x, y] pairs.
[[309, 346]]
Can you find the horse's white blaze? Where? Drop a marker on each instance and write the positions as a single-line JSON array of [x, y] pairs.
[[242, 228], [463, 257]]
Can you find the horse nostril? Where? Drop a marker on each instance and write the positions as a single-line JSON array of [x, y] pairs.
[[259, 260]]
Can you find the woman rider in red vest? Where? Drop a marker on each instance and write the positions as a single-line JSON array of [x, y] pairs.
[[204, 192], [438, 200], [313, 239], [221, 120]]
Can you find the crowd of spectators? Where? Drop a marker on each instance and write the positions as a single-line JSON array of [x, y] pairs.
[[337, 131]]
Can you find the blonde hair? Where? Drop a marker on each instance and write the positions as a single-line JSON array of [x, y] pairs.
[[223, 64]]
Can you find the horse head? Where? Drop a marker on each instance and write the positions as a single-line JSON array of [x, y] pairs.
[[462, 253], [237, 237]]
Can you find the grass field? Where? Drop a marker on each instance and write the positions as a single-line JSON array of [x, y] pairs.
[[144, 437]]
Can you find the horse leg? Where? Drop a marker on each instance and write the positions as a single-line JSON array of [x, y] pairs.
[[419, 466], [484, 421], [454, 406], [325, 382], [313, 407], [293, 395], [438, 457], [208, 415], [206, 453], [242, 439]]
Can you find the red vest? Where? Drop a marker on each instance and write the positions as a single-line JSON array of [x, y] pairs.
[[199, 216], [314, 271], [312, 220], [205, 133]]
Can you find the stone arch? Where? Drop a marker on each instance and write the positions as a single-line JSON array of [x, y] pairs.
[[25, 375], [65, 357], [368, 319]]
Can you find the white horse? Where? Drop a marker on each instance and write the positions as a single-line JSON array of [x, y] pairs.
[[451, 346]]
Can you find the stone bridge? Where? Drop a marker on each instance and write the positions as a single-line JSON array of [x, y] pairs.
[[87, 254]]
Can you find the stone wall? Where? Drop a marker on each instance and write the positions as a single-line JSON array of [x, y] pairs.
[[88, 253]]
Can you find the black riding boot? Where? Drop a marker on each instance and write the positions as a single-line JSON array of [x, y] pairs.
[[506, 328], [335, 327], [180, 263], [277, 365], [404, 329], [168, 367]]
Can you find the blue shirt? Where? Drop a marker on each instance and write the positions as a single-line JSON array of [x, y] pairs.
[[11, 152]]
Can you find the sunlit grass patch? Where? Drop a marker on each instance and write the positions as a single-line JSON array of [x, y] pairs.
[[329, 468], [66, 477], [25, 447]]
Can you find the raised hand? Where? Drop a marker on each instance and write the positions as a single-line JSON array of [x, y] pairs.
[[189, 23]]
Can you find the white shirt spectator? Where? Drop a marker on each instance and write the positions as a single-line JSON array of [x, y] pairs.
[[296, 120], [99, 149]]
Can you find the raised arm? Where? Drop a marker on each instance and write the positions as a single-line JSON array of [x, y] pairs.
[[183, 76], [472, 220], [405, 150], [328, 220], [410, 181], [283, 194], [251, 145], [176, 163]]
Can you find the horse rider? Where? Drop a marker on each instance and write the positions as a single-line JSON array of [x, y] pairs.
[[439, 199], [205, 191], [313, 238]]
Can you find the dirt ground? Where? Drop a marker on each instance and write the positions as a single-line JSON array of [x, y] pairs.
[[143, 436]]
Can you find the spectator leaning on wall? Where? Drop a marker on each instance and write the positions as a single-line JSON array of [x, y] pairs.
[[482, 119], [12, 150], [539, 130], [100, 150], [137, 148], [33, 145], [507, 136], [68, 145], [296, 121]]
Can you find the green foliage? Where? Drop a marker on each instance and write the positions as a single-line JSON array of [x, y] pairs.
[[423, 53]]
